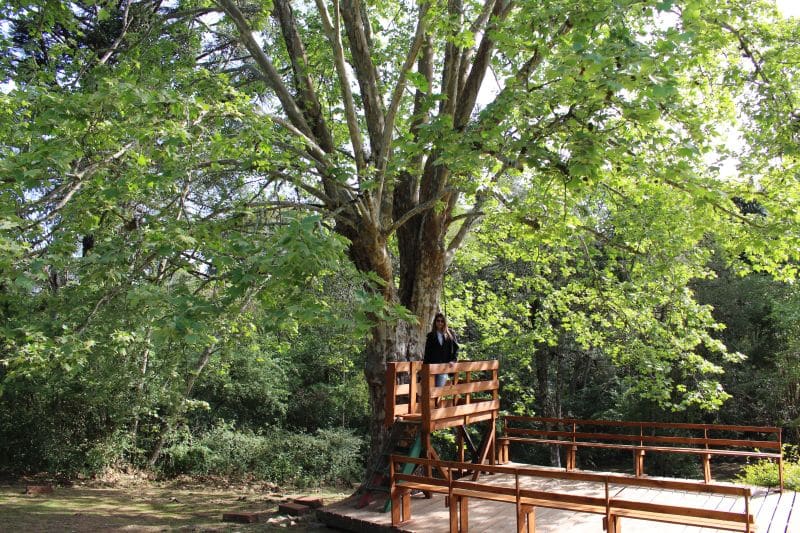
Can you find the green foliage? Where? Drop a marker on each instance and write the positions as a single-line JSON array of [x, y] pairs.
[[60, 427], [588, 297], [764, 473], [761, 321], [329, 456]]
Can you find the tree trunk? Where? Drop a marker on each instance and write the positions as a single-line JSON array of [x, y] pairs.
[[544, 398], [396, 341], [388, 342]]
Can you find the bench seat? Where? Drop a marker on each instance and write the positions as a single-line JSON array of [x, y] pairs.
[[688, 516]]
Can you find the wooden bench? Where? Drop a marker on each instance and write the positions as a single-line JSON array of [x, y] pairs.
[[612, 508], [642, 438]]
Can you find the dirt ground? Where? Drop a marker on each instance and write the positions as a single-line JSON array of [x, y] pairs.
[[149, 507]]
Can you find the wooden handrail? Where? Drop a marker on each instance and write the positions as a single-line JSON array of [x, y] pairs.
[[472, 396], [650, 425], [573, 435]]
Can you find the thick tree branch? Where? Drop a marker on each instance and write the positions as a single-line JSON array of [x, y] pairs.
[[523, 74], [477, 71], [366, 72], [469, 221], [536, 59], [470, 218], [451, 68], [478, 26], [420, 208], [272, 76], [333, 31], [314, 149], [411, 57], [309, 102], [126, 23], [382, 199]]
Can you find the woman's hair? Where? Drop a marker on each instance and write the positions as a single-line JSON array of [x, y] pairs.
[[446, 331]]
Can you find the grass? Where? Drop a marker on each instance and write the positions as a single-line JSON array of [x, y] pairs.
[[148, 507]]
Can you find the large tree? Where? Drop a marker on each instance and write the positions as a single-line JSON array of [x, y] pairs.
[[403, 123]]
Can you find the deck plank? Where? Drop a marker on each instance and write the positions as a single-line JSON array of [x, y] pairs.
[[793, 523], [720, 503], [757, 500], [769, 501], [783, 509], [774, 512]]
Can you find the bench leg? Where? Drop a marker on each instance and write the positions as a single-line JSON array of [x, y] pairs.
[[638, 463], [707, 467], [500, 449], [401, 506], [572, 452], [397, 511], [612, 524], [526, 519]]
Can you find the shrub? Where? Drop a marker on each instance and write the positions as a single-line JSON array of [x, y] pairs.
[[765, 472], [329, 456]]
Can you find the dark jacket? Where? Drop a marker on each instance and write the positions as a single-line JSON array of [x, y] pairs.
[[440, 353]]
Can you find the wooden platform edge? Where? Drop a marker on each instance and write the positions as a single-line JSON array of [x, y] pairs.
[[348, 523], [331, 517]]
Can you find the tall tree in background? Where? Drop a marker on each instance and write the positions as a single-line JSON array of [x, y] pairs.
[[578, 96], [405, 122]]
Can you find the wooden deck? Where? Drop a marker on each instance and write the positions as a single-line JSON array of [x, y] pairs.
[[775, 512]]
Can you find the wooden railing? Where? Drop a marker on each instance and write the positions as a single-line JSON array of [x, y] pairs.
[[704, 440], [470, 396], [610, 504]]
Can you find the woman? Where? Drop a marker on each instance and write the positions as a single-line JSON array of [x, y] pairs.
[[441, 346]]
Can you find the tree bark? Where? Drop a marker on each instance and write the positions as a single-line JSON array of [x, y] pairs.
[[544, 399], [395, 341]]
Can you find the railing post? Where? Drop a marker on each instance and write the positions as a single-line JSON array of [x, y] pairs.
[[425, 389]]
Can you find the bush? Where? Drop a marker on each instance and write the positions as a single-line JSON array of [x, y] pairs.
[[764, 473], [329, 456]]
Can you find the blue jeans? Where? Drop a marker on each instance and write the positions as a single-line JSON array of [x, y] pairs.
[[440, 380]]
